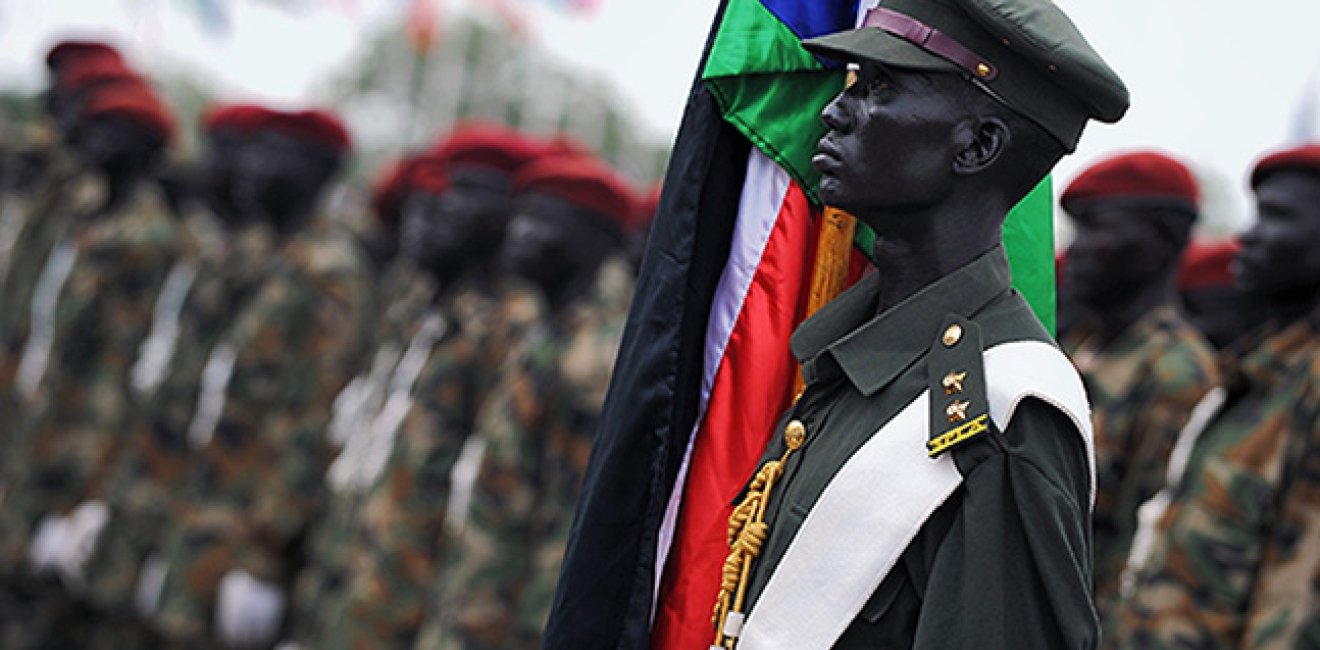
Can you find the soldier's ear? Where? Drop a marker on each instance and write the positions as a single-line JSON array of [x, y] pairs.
[[979, 142]]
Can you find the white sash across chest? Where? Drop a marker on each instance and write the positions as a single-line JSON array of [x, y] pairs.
[[881, 497]]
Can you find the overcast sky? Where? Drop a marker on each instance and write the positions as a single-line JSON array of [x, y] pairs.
[[1214, 82]]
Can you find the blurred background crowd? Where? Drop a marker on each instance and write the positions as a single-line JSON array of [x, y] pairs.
[[235, 406], [299, 377]]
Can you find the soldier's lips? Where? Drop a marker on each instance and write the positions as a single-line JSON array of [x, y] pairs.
[[827, 158]]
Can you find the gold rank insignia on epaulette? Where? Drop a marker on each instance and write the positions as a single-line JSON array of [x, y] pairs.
[[959, 411]]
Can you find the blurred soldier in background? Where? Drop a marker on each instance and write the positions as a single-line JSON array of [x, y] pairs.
[[1144, 365], [45, 186], [402, 463], [91, 309], [1234, 563], [265, 396], [1213, 303], [569, 238], [226, 253]]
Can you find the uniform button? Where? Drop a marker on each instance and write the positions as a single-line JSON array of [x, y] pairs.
[[795, 434], [952, 335]]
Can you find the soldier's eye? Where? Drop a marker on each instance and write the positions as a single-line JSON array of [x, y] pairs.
[[877, 85]]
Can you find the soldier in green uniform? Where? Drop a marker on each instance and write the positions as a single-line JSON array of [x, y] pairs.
[[194, 307], [570, 238], [36, 213], [91, 309], [258, 429], [1233, 563], [46, 186], [931, 487], [1144, 365], [393, 477]]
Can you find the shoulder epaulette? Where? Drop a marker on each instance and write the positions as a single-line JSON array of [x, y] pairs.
[[959, 409]]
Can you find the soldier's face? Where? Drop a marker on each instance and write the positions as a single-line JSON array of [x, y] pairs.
[[1279, 253], [465, 222], [890, 143], [544, 240], [275, 172], [1120, 249]]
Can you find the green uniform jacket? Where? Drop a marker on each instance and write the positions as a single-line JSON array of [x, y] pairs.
[[1004, 562]]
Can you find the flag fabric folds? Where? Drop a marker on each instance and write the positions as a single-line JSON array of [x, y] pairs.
[[704, 369]]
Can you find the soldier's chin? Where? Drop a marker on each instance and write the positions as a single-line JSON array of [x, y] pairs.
[[832, 191]]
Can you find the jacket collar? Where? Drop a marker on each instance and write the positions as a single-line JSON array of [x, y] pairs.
[[872, 350]]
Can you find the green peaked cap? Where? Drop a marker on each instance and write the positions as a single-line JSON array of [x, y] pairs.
[[1026, 53]]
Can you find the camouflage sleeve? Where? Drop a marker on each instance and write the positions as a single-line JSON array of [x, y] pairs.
[[299, 341], [396, 555], [491, 560], [1285, 601], [103, 314], [1133, 450]]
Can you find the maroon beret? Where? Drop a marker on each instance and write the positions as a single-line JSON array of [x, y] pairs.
[[421, 172], [244, 118], [1302, 158], [483, 144], [314, 125], [1207, 264], [136, 101], [82, 73], [584, 182], [1141, 175], [69, 51]]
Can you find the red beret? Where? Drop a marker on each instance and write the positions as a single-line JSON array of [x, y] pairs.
[[565, 145], [1207, 264], [422, 172], [1303, 158], [85, 72], [1145, 175], [314, 125], [67, 52], [244, 118], [488, 145], [134, 100], [584, 182]]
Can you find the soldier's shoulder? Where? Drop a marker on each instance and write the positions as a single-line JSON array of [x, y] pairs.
[[1185, 357]]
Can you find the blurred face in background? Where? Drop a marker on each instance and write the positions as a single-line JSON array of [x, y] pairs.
[[462, 224], [1279, 253], [1121, 248]]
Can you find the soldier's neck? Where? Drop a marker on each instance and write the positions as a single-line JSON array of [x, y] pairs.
[[914, 250], [1288, 307], [1116, 319], [120, 185]]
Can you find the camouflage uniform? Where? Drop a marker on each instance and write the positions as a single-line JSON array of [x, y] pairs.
[[149, 475], [74, 370], [1143, 386], [39, 220], [1236, 561], [259, 428], [391, 550], [538, 426], [407, 292]]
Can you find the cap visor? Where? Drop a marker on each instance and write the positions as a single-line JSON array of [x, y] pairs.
[[874, 44]]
